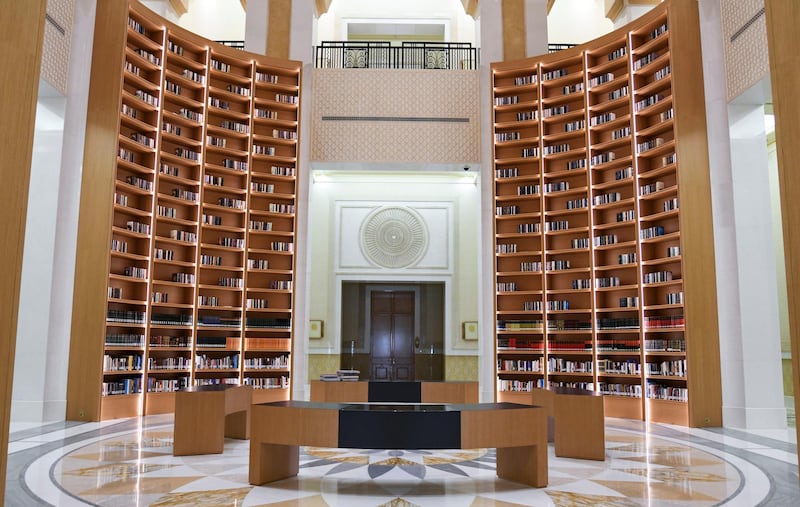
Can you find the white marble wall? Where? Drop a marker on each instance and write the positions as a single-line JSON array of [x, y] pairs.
[[751, 395], [762, 398]]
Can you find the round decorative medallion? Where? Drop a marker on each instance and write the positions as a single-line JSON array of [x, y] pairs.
[[394, 237]]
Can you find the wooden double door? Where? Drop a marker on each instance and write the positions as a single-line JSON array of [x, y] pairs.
[[392, 322]]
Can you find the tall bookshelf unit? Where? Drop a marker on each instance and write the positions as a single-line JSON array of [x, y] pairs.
[[602, 281], [200, 210]]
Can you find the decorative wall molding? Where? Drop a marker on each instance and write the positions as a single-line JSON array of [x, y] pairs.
[[407, 238], [394, 237]]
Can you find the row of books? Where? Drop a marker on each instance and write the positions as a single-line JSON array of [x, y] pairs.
[[341, 376]]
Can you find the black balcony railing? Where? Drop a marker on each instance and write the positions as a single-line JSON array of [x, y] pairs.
[[553, 48], [409, 55], [236, 44]]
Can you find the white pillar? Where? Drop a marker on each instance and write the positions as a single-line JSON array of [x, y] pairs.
[[491, 47], [255, 26], [742, 265], [536, 27], [300, 48], [763, 382]]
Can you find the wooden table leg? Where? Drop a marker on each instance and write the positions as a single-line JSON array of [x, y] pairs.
[[237, 425], [272, 462], [526, 465], [199, 424]]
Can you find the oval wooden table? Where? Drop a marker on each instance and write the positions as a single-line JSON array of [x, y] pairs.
[[518, 432]]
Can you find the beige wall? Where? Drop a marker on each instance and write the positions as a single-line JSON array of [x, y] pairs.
[[461, 368], [56, 48], [746, 58], [402, 94]]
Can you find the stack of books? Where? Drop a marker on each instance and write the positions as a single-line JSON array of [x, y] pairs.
[[348, 375], [340, 375]]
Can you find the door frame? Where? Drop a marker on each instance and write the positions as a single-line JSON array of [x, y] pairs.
[[334, 331]]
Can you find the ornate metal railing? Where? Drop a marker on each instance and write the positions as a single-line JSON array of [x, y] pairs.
[[409, 55]]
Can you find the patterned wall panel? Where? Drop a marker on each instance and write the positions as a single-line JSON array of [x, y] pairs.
[[57, 41], [744, 34], [458, 368], [322, 363], [395, 116]]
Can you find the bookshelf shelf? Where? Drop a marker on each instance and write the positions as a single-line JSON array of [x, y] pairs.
[[190, 113], [600, 124]]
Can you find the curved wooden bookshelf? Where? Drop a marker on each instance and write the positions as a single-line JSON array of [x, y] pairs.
[[603, 281], [200, 211]]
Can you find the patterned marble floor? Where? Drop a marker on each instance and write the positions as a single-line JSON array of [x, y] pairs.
[[130, 463]]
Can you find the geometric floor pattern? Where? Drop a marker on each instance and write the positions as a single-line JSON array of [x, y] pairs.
[[138, 469]]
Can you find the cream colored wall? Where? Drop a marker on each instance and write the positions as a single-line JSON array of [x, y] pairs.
[[461, 278], [395, 93], [330, 24], [577, 21], [215, 19]]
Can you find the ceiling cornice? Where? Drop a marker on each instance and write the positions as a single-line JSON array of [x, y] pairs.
[[613, 8], [180, 7], [470, 7], [322, 6]]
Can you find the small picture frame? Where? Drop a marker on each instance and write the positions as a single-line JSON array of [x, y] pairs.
[[469, 330], [316, 329]]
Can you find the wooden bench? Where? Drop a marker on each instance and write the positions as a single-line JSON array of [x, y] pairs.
[[280, 428], [205, 415]]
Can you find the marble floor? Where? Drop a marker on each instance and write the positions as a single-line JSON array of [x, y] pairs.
[[130, 463]]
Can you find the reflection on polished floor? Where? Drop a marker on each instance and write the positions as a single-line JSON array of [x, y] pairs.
[[130, 463]]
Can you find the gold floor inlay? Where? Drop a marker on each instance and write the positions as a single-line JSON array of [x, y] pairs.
[[567, 499], [639, 470], [232, 497], [144, 485]]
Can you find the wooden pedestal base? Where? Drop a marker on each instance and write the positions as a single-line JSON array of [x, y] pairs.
[[205, 415]]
